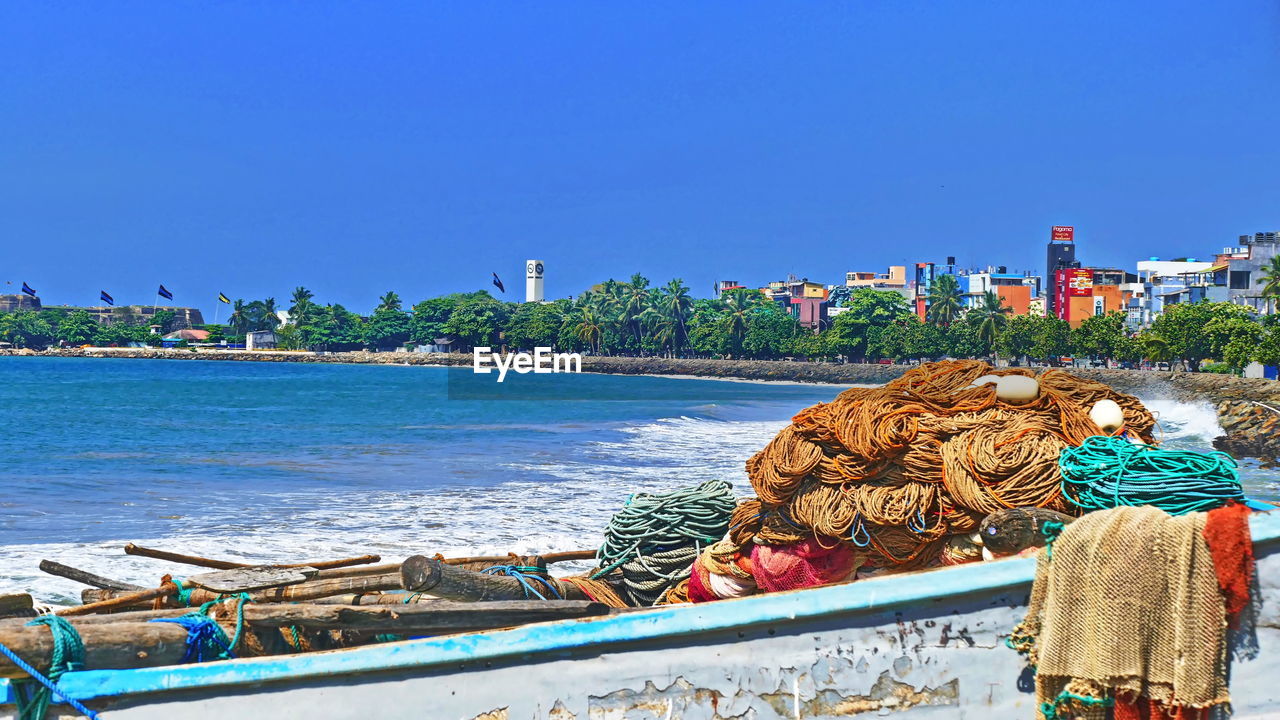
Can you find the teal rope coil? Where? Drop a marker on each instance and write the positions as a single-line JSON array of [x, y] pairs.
[[1107, 472], [67, 656], [655, 538]]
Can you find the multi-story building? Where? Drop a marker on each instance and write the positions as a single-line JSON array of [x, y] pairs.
[[894, 280], [1244, 265], [806, 301], [1016, 290], [1159, 281], [1085, 292], [1061, 255]]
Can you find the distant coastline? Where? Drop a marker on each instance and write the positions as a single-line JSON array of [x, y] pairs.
[[1176, 385], [1248, 409]]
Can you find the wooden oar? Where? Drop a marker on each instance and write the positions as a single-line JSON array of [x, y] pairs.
[[86, 577], [131, 549]]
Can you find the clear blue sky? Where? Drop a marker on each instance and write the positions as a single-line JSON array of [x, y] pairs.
[[360, 147]]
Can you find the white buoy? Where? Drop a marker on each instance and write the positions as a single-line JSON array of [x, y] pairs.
[[1106, 414], [985, 380], [1017, 389]]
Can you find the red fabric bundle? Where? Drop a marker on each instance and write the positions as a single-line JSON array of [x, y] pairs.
[[808, 563], [1227, 532], [699, 587]]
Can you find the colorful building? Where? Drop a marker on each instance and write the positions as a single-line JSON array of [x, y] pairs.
[[1085, 292]]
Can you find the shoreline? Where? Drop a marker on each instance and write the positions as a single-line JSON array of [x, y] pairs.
[[1176, 385], [1248, 408]]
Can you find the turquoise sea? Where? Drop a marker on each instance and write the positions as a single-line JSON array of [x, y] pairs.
[[276, 462]]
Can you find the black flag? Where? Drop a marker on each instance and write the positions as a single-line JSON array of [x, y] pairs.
[[498, 282]]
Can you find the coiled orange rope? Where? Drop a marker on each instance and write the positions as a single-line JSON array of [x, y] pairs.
[[897, 470]]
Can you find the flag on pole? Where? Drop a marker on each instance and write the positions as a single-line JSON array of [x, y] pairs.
[[498, 282], [224, 298], [164, 293], [104, 297], [28, 290]]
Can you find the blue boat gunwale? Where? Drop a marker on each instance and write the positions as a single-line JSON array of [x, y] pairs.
[[530, 640]]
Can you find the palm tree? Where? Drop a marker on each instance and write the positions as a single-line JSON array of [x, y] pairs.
[[239, 320], [945, 300], [674, 302], [1270, 281], [589, 330], [1155, 347], [634, 302], [270, 319], [740, 303], [302, 310], [991, 317], [390, 301]]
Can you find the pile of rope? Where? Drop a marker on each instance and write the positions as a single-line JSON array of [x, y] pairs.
[[1107, 472], [654, 539], [898, 470]]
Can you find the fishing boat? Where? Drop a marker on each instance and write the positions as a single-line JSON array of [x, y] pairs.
[[928, 644]]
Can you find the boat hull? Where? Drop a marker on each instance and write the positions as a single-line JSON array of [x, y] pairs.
[[925, 645]]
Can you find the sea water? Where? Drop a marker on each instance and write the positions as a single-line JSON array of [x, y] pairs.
[[279, 462]]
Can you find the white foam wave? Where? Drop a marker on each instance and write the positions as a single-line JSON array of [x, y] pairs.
[[1184, 422], [568, 512]]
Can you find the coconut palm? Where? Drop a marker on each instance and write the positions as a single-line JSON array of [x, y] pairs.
[[739, 303], [1270, 281], [1155, 347], [674, 302], [270, 320], [990, 317], [239, 320], [589, 329], [945, 300], [302, 311], [634, 302], [390, 301]]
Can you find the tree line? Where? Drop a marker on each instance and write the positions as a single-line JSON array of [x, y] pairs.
[[633, 317]]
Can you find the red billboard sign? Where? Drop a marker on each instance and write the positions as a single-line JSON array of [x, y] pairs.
[[1079, 282], [1064, 233]]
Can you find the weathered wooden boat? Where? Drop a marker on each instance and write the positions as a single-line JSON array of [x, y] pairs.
[[922, 645]]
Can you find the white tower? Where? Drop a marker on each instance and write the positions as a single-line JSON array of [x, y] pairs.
[[533, 281]]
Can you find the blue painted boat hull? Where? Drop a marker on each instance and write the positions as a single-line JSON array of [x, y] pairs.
[[925, 645]]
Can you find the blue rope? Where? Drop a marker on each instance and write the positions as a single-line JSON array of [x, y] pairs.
[[68, 656], [524, 575], [205, 638]]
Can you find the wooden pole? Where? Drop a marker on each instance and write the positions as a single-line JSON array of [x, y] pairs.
[[423, 574], [106, 645], [310, 590], [438, 617], [17, 605], [131, 549], [85, 577]]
